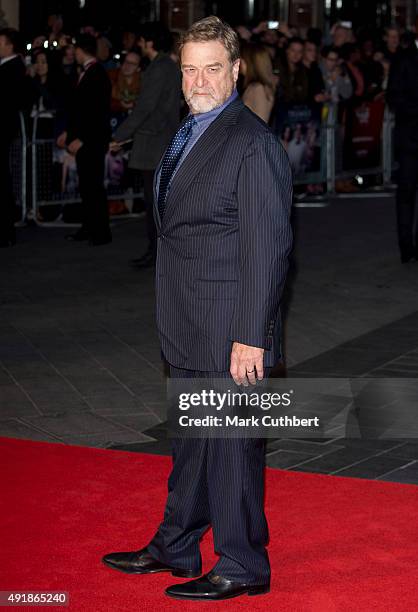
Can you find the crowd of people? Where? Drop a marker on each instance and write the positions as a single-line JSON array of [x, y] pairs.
[[287, 77]]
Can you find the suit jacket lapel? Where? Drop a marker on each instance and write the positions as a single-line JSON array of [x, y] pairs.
[[205, 147], [155, 203]]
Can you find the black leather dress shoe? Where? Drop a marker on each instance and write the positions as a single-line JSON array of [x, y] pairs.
[[141, 562], [214, 587]]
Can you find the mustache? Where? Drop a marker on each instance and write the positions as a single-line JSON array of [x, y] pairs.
[[196, 91]]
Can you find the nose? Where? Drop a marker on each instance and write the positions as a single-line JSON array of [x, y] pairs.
[[200, 79]]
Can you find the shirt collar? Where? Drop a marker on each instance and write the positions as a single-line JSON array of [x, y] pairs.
[[7, 59], [202, 117]]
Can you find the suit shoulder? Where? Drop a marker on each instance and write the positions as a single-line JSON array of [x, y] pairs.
[[251, 125], [254, 131]]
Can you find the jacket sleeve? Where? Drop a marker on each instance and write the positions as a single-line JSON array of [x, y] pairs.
[[264, 193], [152, 88]]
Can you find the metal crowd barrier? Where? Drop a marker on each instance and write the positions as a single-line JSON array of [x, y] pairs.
[[48, 177], [331, 157], [382, 171], [54, 180]]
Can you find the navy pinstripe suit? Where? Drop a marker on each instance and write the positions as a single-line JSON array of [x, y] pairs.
[[223, 247]]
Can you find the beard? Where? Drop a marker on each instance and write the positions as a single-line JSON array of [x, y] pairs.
[[203, 103]]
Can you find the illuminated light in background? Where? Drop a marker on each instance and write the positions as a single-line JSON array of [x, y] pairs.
[[250, 8], [116, 56], [46, 44], [55, 43], [339, 4], [28, 47], [82, 3]]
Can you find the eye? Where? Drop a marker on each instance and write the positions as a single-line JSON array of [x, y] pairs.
[[212, 70], [189, 70]]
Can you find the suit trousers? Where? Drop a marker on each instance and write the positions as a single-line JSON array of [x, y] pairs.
[[90, 167], [405, 201], [216, 482], [7, 210]]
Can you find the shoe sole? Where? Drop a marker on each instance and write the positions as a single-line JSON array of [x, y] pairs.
[[251, 592], [179, 573]]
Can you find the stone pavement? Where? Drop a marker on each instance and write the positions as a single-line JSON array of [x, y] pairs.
[[79, 354]]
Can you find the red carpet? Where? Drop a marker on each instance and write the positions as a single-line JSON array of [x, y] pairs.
[[337, 544]]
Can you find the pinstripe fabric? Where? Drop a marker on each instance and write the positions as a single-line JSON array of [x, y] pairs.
[[222, 258], [171, 159], [223, 244], [219, 483]]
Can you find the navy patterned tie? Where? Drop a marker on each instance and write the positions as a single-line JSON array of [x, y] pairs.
[[171, 158]]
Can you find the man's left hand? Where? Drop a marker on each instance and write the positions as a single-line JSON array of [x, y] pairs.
[[246, 364], [74, 146]]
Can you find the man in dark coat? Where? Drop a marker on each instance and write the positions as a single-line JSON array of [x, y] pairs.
[[153, 121], [87, 137], [223, 194], [12, 98], [402, 96]]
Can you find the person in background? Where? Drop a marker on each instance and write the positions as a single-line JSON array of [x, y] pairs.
[[38, 42], [386, 65], [294, 80], [87, 137], [244, 32], [64, 40], [50, 90], [340, 35], [69, 66], [152, 122], [126, 83], [392, 47], [128, 41], [371, 69], [402, 97], [270, 39], [350, 54], [317, 94], [12, 99], [104, 53], [338, 86], [259, 84]]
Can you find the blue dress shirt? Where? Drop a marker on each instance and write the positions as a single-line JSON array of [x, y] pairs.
[[203, 121]]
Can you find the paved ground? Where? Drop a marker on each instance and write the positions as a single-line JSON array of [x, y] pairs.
[[79, 354]]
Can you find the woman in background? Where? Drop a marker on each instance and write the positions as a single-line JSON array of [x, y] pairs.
[[259, 82]]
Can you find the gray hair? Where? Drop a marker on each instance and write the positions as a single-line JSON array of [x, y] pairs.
[[213, 28]]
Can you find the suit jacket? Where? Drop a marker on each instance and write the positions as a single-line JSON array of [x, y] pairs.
[[223, 244], [402, 97], [13, 96], [89, 113], [156, 115]]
